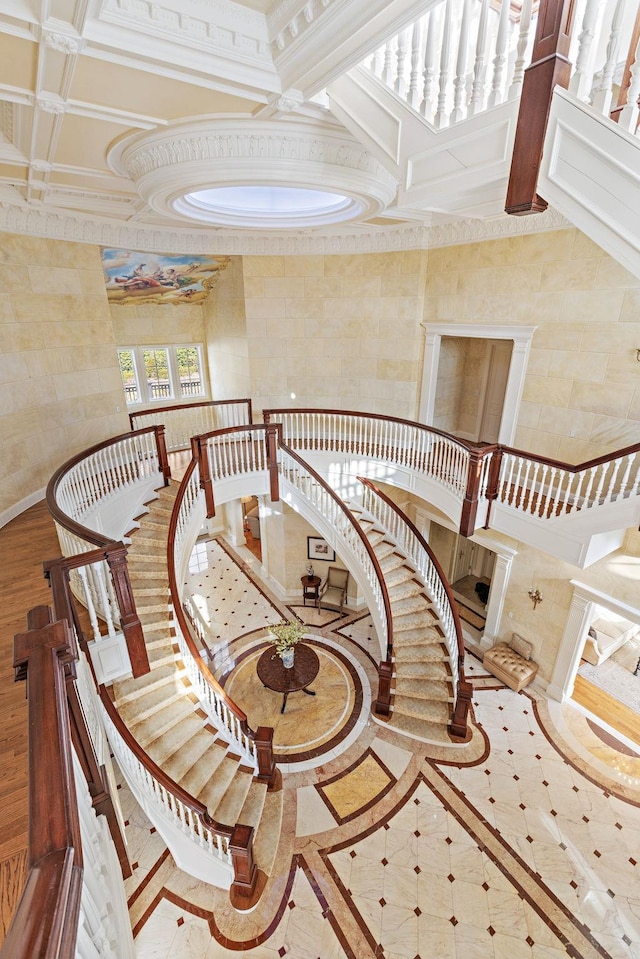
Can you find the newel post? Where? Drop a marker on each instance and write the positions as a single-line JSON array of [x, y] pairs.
[[163, 459], [550, 67], [470, 502], [493, 481], [129, 621], [382, 706], [459, 727], [264, 753], [245, 871], [271, 438], [200, 453]]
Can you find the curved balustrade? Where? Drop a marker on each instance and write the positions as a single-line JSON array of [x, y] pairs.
[[188, 515], [458, 59], [403, 443], [92, 479], [313, 488], [412, 543], [169, 799], [549, 488], [185, 420]]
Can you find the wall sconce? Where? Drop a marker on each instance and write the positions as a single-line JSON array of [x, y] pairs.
[[535, 596]]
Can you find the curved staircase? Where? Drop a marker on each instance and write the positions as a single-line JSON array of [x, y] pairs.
[[163, 713], [422, 704]]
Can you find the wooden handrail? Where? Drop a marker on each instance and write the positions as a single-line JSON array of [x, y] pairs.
[[263, 735], [83, 532], [45, 923], [568, 467], [418, 535], [158, 773], [191, 406], [268, 414], [367, 545], [459, 722], [623, 92]]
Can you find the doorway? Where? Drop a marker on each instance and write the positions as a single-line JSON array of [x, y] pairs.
[[468, 567], [453, 393]]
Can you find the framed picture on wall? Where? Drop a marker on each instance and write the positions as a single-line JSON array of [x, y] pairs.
[[318, 548]]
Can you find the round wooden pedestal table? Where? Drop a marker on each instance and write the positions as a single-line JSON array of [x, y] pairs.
[[274, 675]]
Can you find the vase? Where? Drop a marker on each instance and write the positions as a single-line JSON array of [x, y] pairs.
[[287, 657]]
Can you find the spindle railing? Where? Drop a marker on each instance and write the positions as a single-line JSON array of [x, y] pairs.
[[187, 518], [464, 57], [457, 60], [549, 489], [182, 421]]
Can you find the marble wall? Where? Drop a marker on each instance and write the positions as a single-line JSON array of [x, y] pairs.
[[336, 331], [225, 335], [60, 386], [582, 389]]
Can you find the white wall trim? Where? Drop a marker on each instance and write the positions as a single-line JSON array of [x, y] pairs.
[[521, 336], [9, 514], [61, 225]]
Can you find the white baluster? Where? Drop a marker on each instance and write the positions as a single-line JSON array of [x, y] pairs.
[[628, 118], [377, 62], [440, 118], [429, 72], [91, 609], [582, 79], [460, 81], [415, 93], [521, 50], [497, 94], [388, 74]]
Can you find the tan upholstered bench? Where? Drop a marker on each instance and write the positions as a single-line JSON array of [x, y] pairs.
[[511, 662]]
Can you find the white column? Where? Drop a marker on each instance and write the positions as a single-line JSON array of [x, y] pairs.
[[429, 377], [568, 658], [495, 606], [235, 523]]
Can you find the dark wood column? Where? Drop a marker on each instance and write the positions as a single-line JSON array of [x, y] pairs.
[[550, 66]]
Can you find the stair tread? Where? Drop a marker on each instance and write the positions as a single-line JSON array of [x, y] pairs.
[[435, 712], [214, 787], [178, 762], [230, 805], [152, 727], [195, 779], [172, 743], [253, 806], [420, 728], [432, 690]]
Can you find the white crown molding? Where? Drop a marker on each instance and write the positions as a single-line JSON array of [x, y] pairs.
[[167, 165], [61, 225], [204, 24]]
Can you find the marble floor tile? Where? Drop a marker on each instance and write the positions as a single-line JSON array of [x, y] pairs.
[[531, 851]]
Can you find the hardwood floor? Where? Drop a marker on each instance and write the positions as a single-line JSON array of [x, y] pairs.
[[613, 712], [24, 544]]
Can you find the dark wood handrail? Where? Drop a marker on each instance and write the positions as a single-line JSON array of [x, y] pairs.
[[190, 406], [418, 535], [45, 923], [568, 467], [169, 784], [83, 532], [458, 724], [367, 545], [268, 414], [263, 735]]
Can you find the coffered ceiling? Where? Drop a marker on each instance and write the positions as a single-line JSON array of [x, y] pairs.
[[112, 110]]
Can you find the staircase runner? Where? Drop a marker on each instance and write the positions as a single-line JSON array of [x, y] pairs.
[[162, 710], [422, 701]]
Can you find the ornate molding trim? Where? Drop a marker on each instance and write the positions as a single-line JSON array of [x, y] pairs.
[[90, 229], [279, 142], [206, 23], [61, 42], [51, 103], [289, 19]]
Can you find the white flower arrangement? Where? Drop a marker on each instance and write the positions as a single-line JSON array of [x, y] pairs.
[[286, 634]]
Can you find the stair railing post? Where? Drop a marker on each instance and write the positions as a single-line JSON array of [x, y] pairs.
[[245, 871], [200, 452], [272, 439], [493, 481], [129, 620], [163, 458], [264, 754], [459, 726], [470, 502], [382, 706]]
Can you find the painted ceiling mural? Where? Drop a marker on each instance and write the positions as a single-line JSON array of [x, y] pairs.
[[136, 277]]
